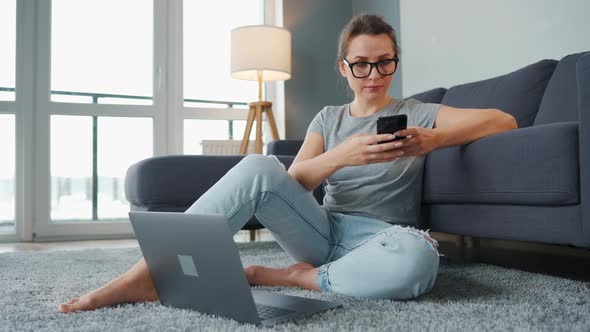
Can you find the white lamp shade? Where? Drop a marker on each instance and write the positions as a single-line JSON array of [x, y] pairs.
[[261, 48]]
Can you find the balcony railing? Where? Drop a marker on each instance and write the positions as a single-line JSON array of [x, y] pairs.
[[95, 98]]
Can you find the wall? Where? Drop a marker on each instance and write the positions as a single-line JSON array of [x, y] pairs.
[[314, 26], [445, 43], [389, 10]]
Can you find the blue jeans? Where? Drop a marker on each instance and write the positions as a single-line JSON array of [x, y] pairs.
[[356, 255]]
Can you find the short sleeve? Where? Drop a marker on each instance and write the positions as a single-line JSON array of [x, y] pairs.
[[317, 124], [423, 114]]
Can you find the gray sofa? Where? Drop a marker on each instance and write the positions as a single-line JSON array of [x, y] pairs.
[[530, 184]]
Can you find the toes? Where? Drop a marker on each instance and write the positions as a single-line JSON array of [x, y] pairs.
[[250, 272], [72, 301], [298, 267], [306, 266], [66, 307], [296, 272], [77, 305]]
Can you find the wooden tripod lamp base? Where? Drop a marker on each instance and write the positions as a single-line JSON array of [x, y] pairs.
[[255, 114]]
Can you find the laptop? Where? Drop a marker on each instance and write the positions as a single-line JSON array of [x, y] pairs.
[[195, 264]]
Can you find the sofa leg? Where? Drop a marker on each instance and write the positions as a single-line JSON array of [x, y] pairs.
[[460, 241], [252, 235], [471, 242]]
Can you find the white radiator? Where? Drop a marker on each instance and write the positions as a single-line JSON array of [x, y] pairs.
[[225, 147]]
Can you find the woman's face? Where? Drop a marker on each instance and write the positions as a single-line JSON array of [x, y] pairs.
[[369, 48]]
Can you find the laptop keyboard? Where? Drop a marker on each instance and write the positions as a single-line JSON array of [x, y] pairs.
[[266, 311]]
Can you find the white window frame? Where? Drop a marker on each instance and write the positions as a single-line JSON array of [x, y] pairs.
[[33, 108]]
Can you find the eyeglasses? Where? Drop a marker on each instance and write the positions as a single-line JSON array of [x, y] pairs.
[[363, 69]]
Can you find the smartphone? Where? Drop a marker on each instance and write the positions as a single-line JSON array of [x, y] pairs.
[[391, 124]]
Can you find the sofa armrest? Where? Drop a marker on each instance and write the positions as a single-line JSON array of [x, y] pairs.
[[529, 166], [177, 180], [583, 82]]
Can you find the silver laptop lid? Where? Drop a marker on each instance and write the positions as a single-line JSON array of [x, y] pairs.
[[195, 270]]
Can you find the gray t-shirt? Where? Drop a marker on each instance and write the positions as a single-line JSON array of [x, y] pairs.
[[390, 191]]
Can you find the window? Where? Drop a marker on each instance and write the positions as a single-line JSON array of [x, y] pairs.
[[206, 40], [89, 159], [96, 63], [7, 116], [71, 167], [8, 47], [121, 143], [7, 154], [99, 90], [206, 71], [97, 56], [195, 131]]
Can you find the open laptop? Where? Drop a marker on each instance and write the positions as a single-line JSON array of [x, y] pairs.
[[195, 264]]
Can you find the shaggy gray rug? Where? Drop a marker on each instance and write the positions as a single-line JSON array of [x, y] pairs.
[[469, 297]]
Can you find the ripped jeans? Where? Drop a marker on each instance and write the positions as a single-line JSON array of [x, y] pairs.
[[356, 255]]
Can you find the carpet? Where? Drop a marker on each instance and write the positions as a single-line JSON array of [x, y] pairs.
[[466, 297]]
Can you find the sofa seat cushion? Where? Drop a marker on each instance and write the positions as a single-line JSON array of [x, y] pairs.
[[528, 166], [518, 93]]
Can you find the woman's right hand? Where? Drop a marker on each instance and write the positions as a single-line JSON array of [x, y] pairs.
[[363, 149]]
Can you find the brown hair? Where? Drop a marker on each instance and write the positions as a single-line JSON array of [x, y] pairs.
[[365, 24]]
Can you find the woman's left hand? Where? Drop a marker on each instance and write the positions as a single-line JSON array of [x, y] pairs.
[[418, 141]]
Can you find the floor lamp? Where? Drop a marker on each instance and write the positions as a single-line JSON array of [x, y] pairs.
[[260, 53]]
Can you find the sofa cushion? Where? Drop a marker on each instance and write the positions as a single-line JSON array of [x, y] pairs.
[[518, 93], [560, 101], [430, 96], [174, 183], [529, 166], [284, 147], [177, 180]]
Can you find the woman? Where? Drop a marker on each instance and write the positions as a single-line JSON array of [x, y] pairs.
[[360, 242]]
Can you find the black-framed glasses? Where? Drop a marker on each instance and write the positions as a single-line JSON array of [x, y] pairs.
[[363, 69]]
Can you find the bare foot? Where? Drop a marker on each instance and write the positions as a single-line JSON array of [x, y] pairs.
[[296, 275], [134, 285]]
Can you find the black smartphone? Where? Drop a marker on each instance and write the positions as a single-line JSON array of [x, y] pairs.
[[391, 124]]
